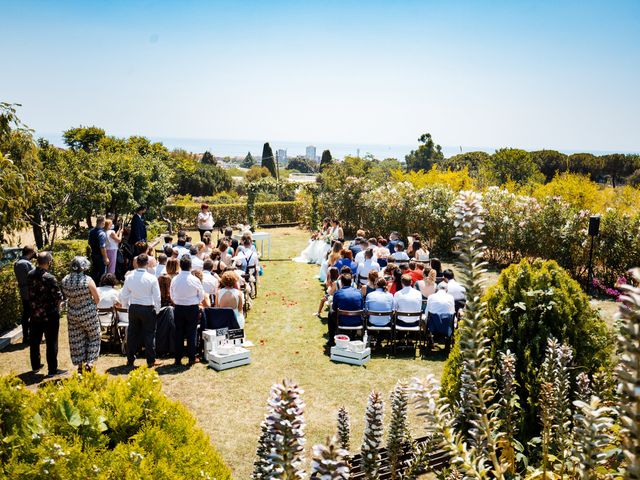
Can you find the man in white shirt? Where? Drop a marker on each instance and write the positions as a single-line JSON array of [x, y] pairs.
[[196, 263], [457, 291], [407, 300], [441, 301], [400, 255], [365, 267], [187, 293], [209, 282], [141, 293]]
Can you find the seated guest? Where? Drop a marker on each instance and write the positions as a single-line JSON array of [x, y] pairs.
[[372, 280], [366, 266], [394, 238], [229, 296], [457, 291], [400, 255], [359, 257], [346, 260], [209, 281], [388, 272], [168, 242], [181, 246], [218, 265], [330, 285], [335, 255], [206, 240], [407, 300], [228, 234], [356, 246], [162, 264], [187, 241], [395, 283], [382, 252], [109, 295], [379, 301], [416, 274], [226, 253], [164, 281], [206, 301], [418, 252], [346, 298], [196, 261], [169, 251], [441, 302], [437, 266], [427, 287]]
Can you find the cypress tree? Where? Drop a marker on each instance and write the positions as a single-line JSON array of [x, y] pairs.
[[208, 159], [248, 161], [326, 160], [268, 160]]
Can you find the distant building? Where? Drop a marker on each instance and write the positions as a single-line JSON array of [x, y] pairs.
[[281, 155], [311, 153]]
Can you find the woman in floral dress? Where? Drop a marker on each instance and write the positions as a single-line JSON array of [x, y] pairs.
[[82, 315]]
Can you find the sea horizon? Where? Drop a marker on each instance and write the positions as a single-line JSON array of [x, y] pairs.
[[239, 148]]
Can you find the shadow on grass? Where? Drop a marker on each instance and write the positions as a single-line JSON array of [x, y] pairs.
[[16, 347], [31, 378]]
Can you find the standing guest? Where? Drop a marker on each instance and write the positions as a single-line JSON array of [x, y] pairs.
[[416, 274], [346, 298], [457, 291], [205, 220], [141, 293], [441, 302], [379, 300], [138, 227], [209, 281], [113, 242], [400, 255], [21, 269], [186, 293], [162, 265], [427, 287], [407, 300], [82, 315], [109, 294], [368, 265], [229, 296], [44, 300], [164, 281], [98, 245]]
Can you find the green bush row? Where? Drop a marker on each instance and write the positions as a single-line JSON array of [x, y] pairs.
[[183, 216], [90, 426], [11, 304]]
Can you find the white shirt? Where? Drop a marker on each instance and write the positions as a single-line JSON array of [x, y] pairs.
[[108, 296], [359, 258], [408, 300], [140, 288], [400, 256], [457, 291], [186, 289], [441, 302], [364, 269], [111, 244], [160, 269], [209, 283], [205, 221], [247, 258], [181, 251], [196, 263]]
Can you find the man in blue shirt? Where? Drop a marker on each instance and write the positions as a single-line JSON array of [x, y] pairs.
[[379, 301], [347, 298], [98, 245]]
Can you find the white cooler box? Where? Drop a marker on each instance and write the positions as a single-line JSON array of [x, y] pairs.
[[344, 355], [219, 360]]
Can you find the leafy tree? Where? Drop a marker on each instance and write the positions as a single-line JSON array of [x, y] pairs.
[[268, 160], [302, 165], [550, 162], [469, 160], [204, 180], [426, 155], [618, 166], [587, 164], [208, 159], [326, 159], [255, 173], [248, 161], [83, 138], [513, 164]]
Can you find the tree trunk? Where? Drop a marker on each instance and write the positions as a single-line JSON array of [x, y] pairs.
[[88, 220], [36, 226]]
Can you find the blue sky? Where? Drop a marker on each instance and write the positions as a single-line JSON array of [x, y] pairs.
[[556, 74]]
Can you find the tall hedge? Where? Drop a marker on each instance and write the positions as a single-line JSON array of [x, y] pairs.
[[530, 303], [92, 426], [11, 310]]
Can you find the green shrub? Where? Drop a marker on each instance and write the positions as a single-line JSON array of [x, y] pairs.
[[63, 252], [270, 212], [530, 303], [11, 304], [95, 427]]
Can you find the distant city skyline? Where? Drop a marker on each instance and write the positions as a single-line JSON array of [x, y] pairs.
[[529, 74]]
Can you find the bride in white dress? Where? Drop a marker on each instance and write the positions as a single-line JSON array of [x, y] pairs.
[[319, 246]]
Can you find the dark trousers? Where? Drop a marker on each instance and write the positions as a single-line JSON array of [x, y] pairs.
[[26, 314], [202, 232], [49, 328], [98, 268], [185, 318], [142, 330], [332, 324]]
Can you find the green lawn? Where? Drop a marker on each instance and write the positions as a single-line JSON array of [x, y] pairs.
[[230, 405]]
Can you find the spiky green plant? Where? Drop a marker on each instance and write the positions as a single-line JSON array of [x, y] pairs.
[[583, 387], [372, 439], [398, 434], [262, 466], [629, 375], [344, 428], [286, 425], [329, 461], [509, 405], [592, 436]]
